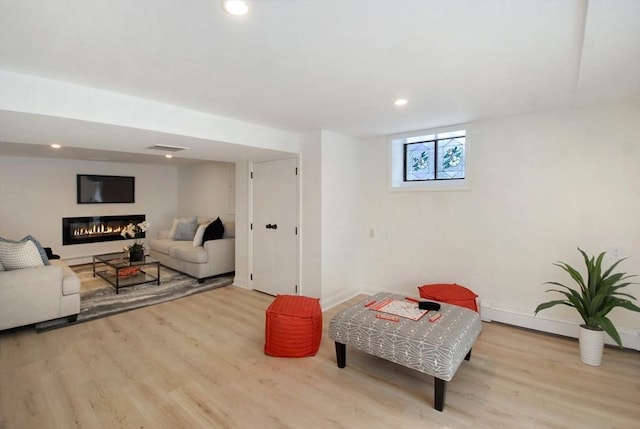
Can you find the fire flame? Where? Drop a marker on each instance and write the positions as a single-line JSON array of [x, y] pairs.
[[97, 229]]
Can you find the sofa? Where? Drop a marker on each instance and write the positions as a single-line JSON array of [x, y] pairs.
[[211, 258], [38, 294]]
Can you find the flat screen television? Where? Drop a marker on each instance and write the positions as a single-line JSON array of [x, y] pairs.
[[96, 189]]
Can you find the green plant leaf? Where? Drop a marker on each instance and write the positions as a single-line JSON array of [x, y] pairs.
[[612, 267], [573, 273], [596, 303], [551, 304], [610, 329], [594, 272], [628, 305]]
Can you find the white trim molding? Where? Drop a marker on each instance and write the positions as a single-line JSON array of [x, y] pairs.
[[630, 337]]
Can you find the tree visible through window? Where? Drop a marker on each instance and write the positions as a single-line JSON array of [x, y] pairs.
[[435, 157]]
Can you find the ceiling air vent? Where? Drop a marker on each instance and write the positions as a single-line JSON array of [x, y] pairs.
[[167, 148]]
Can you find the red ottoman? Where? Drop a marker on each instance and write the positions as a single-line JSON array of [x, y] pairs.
[[451, 294], [293, 327]]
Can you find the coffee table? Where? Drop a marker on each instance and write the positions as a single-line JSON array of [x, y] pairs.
[[117, 270], [436, 348]]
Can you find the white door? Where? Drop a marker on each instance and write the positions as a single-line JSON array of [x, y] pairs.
[[275, 227]]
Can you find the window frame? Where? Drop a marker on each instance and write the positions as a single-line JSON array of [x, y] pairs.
[[396, 160]]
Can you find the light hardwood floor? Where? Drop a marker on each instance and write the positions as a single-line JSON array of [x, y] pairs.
[[198, 362]]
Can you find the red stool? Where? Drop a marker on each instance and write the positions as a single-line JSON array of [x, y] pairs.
[[451, 294], [293, 326]]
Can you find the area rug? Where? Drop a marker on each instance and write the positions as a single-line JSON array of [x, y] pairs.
[[98, 298]]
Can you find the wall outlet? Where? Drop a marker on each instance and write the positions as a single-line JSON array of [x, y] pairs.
[[372, 233], [616, 253]]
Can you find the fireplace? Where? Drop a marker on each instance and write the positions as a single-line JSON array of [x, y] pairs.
[[94, 229]]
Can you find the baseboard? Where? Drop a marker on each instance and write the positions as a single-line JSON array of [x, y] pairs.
[[78, 260], [630, 337]]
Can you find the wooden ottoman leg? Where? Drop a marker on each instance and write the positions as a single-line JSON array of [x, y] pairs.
[[439, 392], [341, 354]]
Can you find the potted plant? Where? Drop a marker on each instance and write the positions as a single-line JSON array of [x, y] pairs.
[[595, 298], [136, 250]]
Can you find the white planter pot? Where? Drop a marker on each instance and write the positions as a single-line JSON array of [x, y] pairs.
[[591, 346]]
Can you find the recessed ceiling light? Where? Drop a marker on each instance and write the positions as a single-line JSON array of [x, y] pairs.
[[168, 156], [236, 7], [56, 146], [401, 102]]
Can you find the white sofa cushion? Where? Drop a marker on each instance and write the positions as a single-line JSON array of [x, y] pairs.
[[161, 245], [188, 252]]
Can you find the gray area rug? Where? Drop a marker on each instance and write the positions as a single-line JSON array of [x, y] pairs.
[[99, 299]]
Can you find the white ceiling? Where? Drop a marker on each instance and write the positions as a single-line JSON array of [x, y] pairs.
[[335, 65]]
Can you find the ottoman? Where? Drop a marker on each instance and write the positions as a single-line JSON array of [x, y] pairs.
[[293, 326], [434, 347]]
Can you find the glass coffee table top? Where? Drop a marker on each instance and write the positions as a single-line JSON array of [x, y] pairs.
[[117, 270], [122, 259]]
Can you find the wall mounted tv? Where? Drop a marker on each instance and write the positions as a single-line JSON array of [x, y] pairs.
[[94, 189]]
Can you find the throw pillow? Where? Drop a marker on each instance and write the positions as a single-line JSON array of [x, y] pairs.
[[41, 251], [197, 239], [16, 256], [214, 231], [451, 294], [179, 220], [186, 230]]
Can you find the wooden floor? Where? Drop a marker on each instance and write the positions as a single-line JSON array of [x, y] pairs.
[[197, 362]]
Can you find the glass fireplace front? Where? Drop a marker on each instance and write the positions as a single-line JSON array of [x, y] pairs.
[[94, 229]]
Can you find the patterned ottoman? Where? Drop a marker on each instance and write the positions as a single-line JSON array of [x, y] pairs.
[[436, 348], [293, 326]]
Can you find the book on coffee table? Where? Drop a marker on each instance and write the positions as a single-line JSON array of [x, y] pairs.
[[408, 310]]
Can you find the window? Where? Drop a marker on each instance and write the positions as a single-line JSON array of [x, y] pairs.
[[434, 157], [429, 160]]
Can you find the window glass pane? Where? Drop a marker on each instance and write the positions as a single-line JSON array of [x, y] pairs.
[[451, 159], [419, 161]]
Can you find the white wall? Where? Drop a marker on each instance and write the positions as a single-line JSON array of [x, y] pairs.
[[207, 190], [341, 227], [36, 193], [541, 185], [242, 204], [311, 214]]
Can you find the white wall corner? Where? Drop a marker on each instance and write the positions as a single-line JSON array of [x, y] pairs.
[[241, 282], [326, 303]]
